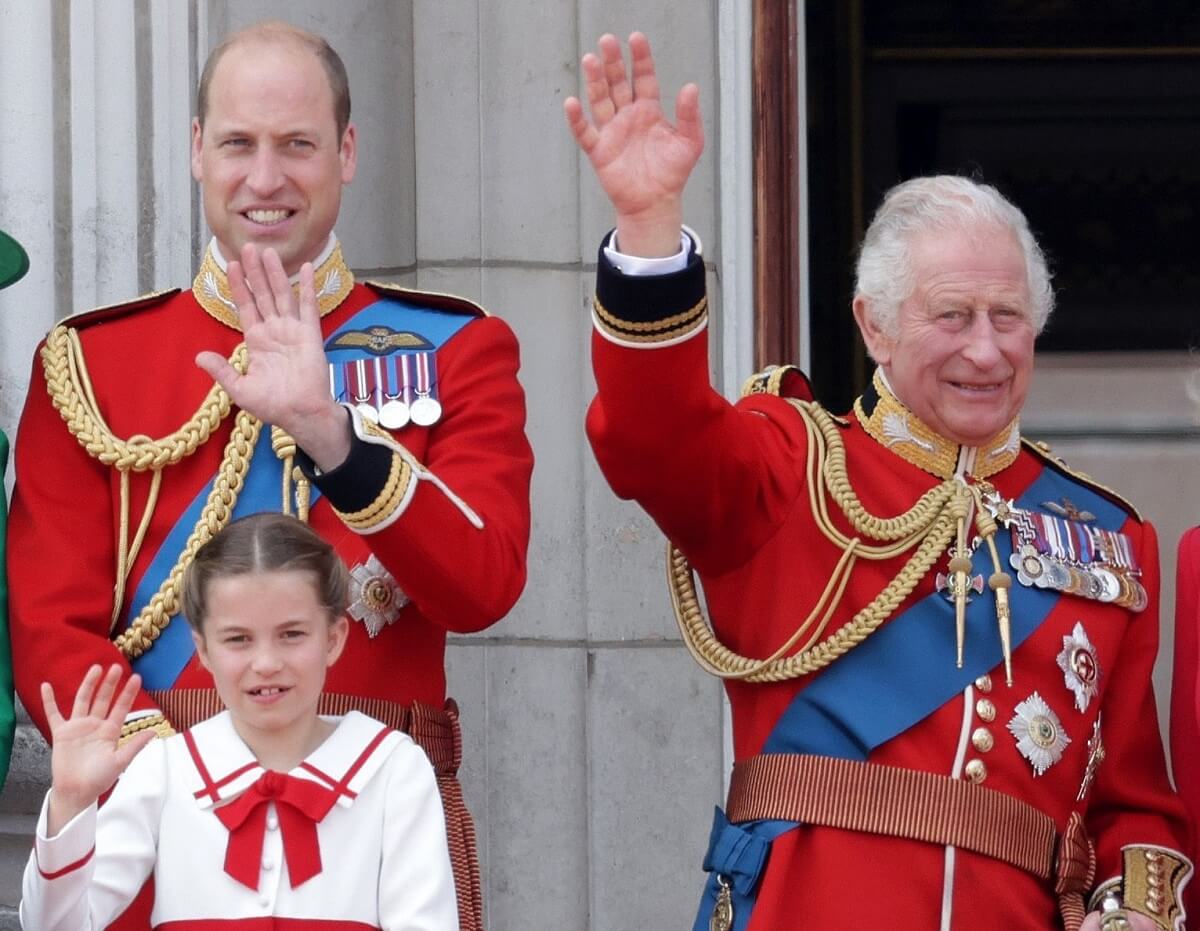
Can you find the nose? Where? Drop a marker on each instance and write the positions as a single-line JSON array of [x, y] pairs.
[[266, 174], [982, 347], [266, 660]]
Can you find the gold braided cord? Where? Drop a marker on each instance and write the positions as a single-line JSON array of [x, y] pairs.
[[235, 463], [930, 525], [71, 393]]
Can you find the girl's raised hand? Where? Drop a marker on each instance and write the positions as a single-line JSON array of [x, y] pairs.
[[85, 758]]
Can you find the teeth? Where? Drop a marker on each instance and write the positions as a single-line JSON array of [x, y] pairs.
[[271, 690], [268, 216]]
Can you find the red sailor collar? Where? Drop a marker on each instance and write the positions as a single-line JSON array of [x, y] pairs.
[[224, 767], [894, 426], [331, 277]]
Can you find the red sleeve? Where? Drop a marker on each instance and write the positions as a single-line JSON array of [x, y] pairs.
[[461, 576], [61, 558], [1185, 699], [1132, 801]]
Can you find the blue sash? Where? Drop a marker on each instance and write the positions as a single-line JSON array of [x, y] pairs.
[[894, 679], [160, 666]]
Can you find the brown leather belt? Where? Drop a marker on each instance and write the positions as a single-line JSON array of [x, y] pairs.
[[436, 731], [875, 799]]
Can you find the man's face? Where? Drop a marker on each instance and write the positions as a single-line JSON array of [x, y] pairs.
[[963, 355], [269, 159]]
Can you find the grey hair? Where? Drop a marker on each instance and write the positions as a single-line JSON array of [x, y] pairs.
[[939, 202]]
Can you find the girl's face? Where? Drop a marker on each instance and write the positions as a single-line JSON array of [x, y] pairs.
[[268, 641]]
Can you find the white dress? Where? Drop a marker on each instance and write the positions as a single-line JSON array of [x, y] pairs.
[[384, 862]]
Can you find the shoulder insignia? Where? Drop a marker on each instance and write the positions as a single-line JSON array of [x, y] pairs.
[[784, 381], [1043, 451], [451, 303], [86, 318]]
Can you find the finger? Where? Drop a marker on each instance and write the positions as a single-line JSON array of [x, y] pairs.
[[596, 85], [125, 699], [281, 288], [645, 79], [688, 121], [132, 747], [256, 277], [243, 299], [584, 132], [619, 88], [53, 716], [83, 695], [219, 369], [310, 312], [102, 700]]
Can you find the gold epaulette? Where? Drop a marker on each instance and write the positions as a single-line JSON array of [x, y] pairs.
[[450, 303], [85, 318], [1042, 451], [783, 381]]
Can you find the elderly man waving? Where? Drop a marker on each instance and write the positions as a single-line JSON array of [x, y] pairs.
[[937, 639]]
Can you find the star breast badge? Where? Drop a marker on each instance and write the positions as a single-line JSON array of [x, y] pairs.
[[1039, 733], [375, 598], [1080, 666]]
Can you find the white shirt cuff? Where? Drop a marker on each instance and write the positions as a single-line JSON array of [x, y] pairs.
[[637, 266]]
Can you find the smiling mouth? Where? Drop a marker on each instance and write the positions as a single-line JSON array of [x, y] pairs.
[[977, 389], [267, 217], [268, 691]]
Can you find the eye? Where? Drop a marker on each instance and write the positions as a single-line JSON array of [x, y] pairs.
[[301, 145], [236, 142], [294, 633], [235, 639]]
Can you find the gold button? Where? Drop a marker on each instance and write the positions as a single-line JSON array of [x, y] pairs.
[[982, 739], [984, 683], [986, 710], [976, 771]]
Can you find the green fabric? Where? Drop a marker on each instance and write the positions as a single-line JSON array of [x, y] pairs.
[[8, 718], [13, 264]]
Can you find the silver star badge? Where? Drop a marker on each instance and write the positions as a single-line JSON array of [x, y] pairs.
[[1039, 733], [1080, 666], [376, 599]]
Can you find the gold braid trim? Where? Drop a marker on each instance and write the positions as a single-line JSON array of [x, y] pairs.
[[930, 525], [652, 331], [70, 391], [1152, 880], [394, 490], [156, 722], [235, 463]]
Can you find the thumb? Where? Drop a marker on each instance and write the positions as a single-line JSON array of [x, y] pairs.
[[218, 367]]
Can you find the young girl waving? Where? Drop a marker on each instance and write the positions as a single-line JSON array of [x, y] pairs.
[[266, 816]]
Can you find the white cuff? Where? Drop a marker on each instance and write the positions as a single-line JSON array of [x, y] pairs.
[[637, 266]]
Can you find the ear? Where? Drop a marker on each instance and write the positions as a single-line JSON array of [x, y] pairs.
[[201, 649], [197, 146], [879, 344], [339, 630], [348, 153]]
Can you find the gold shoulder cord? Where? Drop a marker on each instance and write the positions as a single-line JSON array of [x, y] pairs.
[[70, 389], [931, 523]]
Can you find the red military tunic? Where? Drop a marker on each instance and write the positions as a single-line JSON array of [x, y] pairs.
[[437, 514], [728, 485], [1185, 683]]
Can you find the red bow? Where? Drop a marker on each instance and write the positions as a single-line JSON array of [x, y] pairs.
[[300, 805]]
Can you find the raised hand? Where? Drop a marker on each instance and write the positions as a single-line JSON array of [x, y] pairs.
[[641, 160], [286, 382], [85, 759]]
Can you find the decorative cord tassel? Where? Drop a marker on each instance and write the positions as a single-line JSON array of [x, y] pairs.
[[999, 582], [285, 449]]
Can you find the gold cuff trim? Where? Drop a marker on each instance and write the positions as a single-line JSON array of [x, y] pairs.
[[332, 279], [155, 722], [390, 499], [895, 427], [1153, 877], [653, 331]]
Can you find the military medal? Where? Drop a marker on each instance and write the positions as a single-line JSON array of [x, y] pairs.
[[722, 914], [1039, 733], [1095, 758], [394, 413], [426, 410], [362, 390]]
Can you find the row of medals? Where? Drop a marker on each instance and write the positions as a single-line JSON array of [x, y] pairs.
[[1047, 563], [392, 390]]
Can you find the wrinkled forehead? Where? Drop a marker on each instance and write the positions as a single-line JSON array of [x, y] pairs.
[[984, 256]]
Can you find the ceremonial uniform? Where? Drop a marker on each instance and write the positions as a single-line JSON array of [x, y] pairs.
[[1185, 685], [863, 751], [432, 517], [230, 842]]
